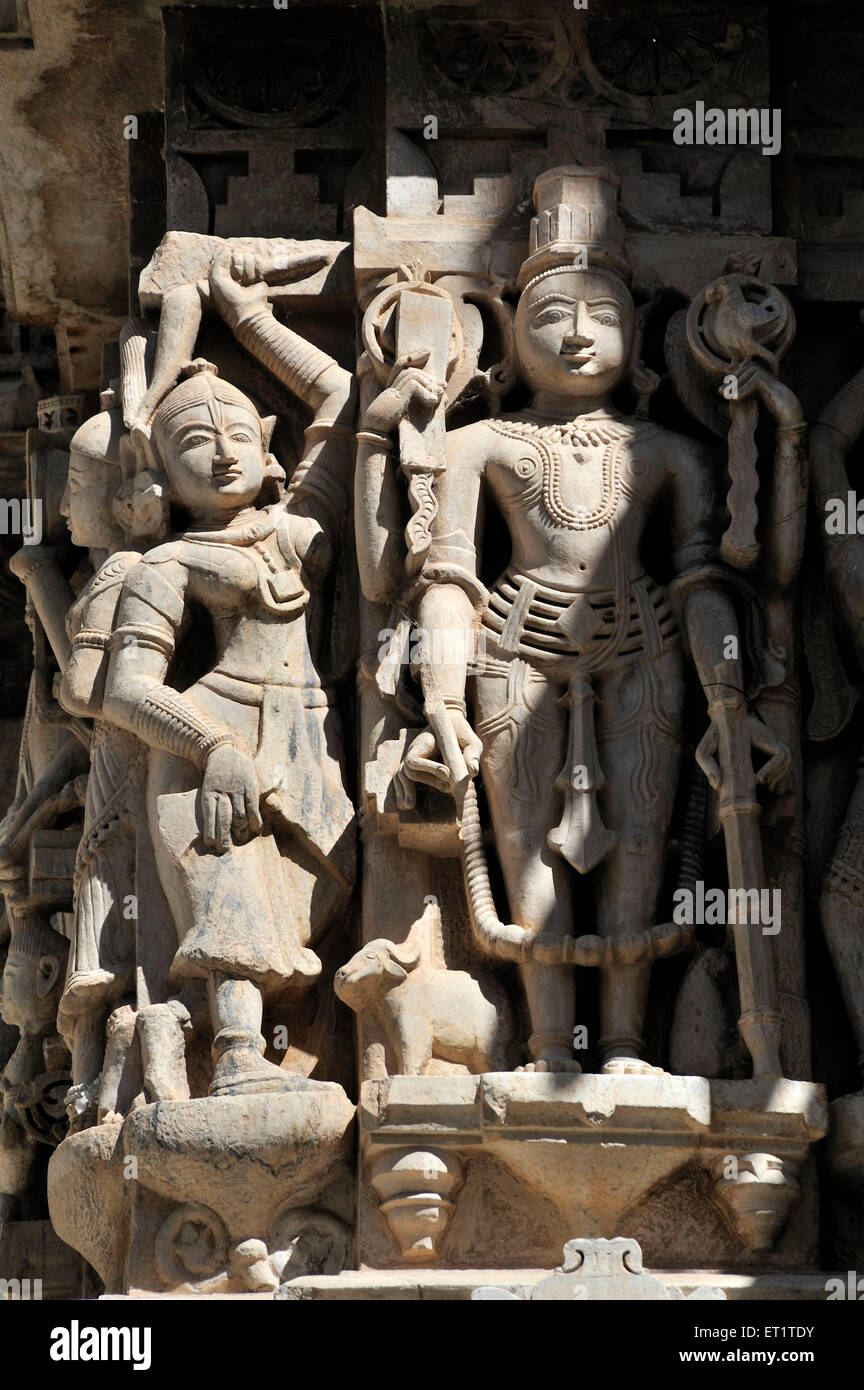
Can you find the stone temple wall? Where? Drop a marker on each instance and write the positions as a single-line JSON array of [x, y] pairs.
[[431, 648]]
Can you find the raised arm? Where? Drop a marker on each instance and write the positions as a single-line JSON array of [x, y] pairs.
[[304, 369]]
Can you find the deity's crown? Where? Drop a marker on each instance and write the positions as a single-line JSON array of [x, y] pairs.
[[33, 937], [99, 437], [577, 210]]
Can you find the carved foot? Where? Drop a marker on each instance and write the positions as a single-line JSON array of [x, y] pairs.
[[242, 1071], [81, 1103], [629, 1066], [553, 1064]]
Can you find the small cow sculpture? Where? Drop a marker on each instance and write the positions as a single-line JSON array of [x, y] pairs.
[[425, 1011]]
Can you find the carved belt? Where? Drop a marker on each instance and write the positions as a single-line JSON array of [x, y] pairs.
[[534, 621]]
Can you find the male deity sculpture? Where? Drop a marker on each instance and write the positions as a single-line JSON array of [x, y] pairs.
[[578, 681]]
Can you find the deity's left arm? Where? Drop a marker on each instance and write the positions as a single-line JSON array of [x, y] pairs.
[[712, 628], [784, 524], [705, 603]]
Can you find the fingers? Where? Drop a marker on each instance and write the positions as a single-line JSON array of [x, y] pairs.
[[780, 759], [406, 791], [222, 842], [244, 268], [418, 358], [208, 818], [470, 744], [253, 815], [706, 760], [420, 766]]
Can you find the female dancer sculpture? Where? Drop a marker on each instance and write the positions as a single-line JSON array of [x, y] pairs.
[[253, 829]]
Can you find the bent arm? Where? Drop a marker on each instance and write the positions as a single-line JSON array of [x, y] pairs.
[[136, 697]]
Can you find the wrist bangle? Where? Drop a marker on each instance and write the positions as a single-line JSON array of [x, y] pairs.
[[381, 441], [452, 702]]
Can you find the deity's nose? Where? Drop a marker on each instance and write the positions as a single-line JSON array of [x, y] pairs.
[[224, 453], [64, 502], [581, 334]]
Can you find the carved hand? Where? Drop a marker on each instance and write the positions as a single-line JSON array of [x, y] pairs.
[[236, 286], [409, 387], [782, 403], [25, 562], [420, 763], [772, 772], [229, 799]]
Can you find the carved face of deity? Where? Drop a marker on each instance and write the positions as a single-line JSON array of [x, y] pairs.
[[28, 990], [212, 448], [574, 331], [87, 503]]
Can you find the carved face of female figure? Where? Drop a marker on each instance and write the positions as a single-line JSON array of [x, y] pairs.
[[211, 441], [87, 503], [574, 331], [94, 477]]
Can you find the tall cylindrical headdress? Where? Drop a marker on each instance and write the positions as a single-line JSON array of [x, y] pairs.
[[577, 220]]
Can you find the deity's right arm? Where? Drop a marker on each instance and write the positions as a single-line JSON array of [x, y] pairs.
[[148, 620], [450, 595]]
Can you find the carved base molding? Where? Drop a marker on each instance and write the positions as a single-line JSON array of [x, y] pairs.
[[451, 1285], [225, 1195], [498, 1170]]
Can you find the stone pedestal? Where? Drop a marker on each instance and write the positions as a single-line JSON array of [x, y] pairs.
[[211, 1196], [500, 1170]]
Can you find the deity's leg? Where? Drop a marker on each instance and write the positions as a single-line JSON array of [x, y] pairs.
[[523, 733], [638, 729]]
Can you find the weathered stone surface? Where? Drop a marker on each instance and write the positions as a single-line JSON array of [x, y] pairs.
[[435, 349]]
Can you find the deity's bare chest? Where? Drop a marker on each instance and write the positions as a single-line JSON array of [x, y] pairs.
[[563, 489]]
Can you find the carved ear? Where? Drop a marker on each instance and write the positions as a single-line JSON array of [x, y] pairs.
[[268, 424], [394, 971], [273, 468], [142, 506], [47, 972]]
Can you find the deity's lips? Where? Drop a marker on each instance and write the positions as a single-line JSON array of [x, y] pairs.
[[578, 358]]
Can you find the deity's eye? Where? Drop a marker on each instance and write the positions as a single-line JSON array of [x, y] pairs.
[[241, 437], [609, 317], [550, 316], [194, 441]]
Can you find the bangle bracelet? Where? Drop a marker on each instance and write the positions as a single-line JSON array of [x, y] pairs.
[[383, 441]]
